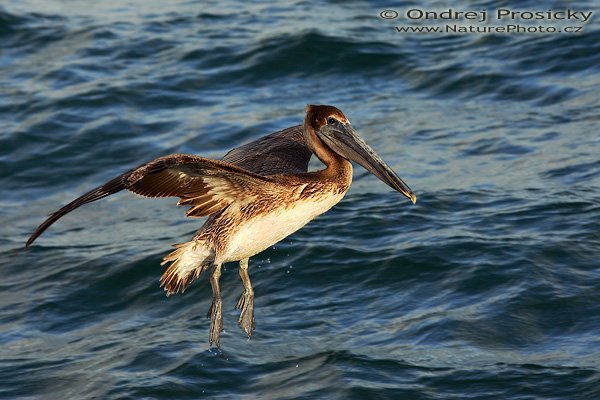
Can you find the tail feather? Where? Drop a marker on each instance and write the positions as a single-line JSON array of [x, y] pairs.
[[188, 261]]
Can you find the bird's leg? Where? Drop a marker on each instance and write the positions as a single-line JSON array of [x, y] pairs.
[[214, 312], [246, 301]]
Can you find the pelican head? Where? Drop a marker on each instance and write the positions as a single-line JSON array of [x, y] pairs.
[[333, 128]]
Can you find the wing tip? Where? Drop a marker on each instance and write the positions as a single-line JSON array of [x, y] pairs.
[[37, 233]]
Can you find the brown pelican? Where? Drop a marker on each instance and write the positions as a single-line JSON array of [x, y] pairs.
[[255, 196]]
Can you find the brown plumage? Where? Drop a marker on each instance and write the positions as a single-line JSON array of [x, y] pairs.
[[281, 152], [255, 196]]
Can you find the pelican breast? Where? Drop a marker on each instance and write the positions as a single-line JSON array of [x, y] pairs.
[[267, 227]]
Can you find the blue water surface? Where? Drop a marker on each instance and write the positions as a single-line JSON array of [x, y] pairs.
[[486, 288]]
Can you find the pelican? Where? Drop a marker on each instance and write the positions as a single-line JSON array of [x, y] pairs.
[[255, 196]]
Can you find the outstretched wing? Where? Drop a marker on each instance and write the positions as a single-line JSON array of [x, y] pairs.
[[281, 152], [206, 185]]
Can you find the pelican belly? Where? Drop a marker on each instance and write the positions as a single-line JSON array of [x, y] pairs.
[[266, 229]]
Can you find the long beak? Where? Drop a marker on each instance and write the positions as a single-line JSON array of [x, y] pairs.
[[346, 142]]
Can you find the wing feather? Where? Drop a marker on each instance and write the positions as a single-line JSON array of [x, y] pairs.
[[281, 152], [208, 186]]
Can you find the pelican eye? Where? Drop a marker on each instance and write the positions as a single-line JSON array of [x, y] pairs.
[[331, 121]]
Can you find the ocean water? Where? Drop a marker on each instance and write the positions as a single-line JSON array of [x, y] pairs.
[[487, 288]]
